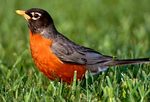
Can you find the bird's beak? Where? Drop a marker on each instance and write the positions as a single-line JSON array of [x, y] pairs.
[[22, 13]]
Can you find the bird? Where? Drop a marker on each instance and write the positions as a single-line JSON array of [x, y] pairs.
[[58, 57]]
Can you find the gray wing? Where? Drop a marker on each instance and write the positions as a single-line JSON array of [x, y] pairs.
[[69, 52]]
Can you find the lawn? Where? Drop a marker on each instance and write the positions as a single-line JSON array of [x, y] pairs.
[[113, 27]]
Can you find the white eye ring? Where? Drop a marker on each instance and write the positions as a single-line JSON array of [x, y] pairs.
[[34, 17]]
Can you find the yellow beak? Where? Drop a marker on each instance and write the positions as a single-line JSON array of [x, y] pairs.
[[22, 13]]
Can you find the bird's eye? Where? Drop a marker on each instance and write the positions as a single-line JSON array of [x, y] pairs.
[[35, 15]]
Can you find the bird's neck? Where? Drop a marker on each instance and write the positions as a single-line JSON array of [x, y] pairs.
[[48, 32]]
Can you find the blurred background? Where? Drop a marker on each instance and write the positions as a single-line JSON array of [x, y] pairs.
[[114, 27]]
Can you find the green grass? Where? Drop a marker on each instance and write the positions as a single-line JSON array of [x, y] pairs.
[[114, 27]]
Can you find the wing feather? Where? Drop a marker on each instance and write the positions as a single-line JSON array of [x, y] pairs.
[[69, 52]]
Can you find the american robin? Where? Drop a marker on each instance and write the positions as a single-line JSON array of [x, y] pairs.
[[57, 56]]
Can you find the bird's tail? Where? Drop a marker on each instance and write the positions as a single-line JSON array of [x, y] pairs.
[[127, 61]]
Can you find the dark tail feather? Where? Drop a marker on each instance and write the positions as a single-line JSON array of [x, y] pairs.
[[128, 61]]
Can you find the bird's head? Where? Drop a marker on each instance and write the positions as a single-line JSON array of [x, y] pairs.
[[38, 19]]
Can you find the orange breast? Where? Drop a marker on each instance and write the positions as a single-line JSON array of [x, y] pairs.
[[49, 63]]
